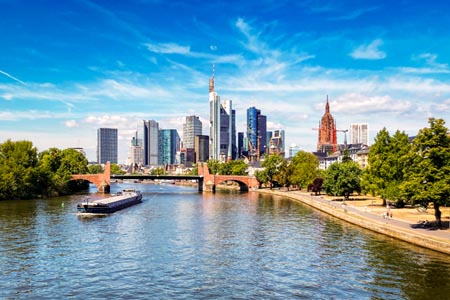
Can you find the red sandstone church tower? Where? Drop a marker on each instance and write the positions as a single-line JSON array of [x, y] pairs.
[[327, 132]]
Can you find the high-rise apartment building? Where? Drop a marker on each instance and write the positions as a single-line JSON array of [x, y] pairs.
[[327, 132], [169, 145], [256, 131], [222, 120], [359, 134], [151, 142], [107, 145], [136, 151], [191, 128]]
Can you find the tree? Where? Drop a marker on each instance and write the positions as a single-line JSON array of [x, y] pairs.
[[115, 169], [427, 168], [95, 169], [213, 166], [18, 174], [158, 171], [272, 165], [305, 167], [238, 167], [261, 176], [342, 179], [285, 174], [384, 174]]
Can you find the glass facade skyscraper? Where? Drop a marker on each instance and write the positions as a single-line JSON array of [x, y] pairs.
[[169, 144], [256, 131], [107, 145]]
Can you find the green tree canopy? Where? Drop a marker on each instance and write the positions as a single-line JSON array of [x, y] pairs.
[[95, 169], [384, 174], [305, 167], [18, 173], [427, 168], [272, 165], [342, 179]]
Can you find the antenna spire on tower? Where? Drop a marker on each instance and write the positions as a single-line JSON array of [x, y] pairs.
[[211, 81]]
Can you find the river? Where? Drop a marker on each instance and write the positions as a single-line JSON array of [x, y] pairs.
[[179, 244]]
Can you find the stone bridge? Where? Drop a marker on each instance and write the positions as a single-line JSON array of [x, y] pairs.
[[210, 181], [101, 181]]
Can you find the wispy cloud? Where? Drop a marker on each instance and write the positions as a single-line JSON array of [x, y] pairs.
[[12, 77], [431, 65], [369, 51], [168, 48], [354, 14]]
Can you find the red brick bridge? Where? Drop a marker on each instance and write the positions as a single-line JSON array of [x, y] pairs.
[[210, 181], [101, 181]]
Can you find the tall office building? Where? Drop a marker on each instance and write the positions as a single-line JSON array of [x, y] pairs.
[[201, 148], [327, 132], [256, 131], [169, 145], [240, 144], [151, 142], [107, 145], [359, 134], [136, 151], [222, 138], [191, 128]]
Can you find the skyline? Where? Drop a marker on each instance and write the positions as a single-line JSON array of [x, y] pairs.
[[71, 68]]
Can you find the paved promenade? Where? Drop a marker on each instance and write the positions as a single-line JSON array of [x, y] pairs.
[[365, 216]]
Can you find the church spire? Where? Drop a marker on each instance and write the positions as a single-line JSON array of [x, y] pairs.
[[327, 106]]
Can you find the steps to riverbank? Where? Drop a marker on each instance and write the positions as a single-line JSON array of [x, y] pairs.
[[363, 216]]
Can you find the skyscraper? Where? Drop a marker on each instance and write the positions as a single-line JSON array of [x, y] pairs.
[[107, 145], [151, 142], [327, 132], [222, 145], [359, 134], [136, 151], [191, 128], [201, 146], [169, 144], [256, 131], [214, 121]]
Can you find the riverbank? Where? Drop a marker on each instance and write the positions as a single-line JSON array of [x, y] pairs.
[[368, 213]]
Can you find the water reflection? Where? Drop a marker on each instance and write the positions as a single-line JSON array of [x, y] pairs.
[[179, 244]]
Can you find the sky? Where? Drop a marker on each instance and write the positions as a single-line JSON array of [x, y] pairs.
[[70, 67]]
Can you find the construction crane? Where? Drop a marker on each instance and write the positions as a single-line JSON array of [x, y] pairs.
[[345, 135], [251, 147]]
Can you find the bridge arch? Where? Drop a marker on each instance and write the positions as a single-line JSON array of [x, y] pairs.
[[101, 181], [211, 180]]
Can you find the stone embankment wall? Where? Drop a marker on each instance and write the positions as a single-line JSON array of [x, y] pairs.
[[408, 235]]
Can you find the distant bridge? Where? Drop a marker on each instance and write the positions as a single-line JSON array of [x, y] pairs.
[[205, 180]]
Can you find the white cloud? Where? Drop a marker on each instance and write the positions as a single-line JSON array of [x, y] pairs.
[[369, 51], [168, 48], [363, 104], [71, 123]]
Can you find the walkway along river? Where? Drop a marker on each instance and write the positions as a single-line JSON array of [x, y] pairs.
[[179, 244]]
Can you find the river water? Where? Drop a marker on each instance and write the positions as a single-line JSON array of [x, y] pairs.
[[179, 244]]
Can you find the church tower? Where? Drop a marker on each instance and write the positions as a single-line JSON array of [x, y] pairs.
[[327, 132]]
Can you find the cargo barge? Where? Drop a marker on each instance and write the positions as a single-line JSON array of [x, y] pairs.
[[114, 203]]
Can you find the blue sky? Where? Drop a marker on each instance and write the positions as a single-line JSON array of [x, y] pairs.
[[70, 67]]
